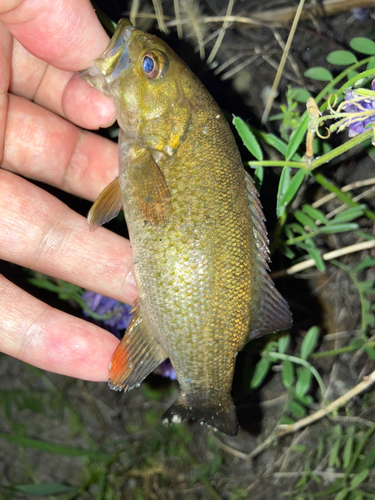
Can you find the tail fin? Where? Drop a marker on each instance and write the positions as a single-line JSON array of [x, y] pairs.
[[221, 416]]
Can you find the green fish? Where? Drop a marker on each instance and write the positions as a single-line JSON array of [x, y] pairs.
[[196, 228]]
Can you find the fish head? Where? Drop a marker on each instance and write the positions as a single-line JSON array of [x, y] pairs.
[[140, 73]]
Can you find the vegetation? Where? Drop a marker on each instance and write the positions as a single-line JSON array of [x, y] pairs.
[[331, 453]]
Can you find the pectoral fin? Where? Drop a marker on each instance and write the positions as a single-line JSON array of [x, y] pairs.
[[151, 189], [106, 207], [136, 356]]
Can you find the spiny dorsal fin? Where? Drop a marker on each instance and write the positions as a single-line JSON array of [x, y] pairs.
[[271, 313], [136, 356], [151, 188], [106, 207], [260, 231]]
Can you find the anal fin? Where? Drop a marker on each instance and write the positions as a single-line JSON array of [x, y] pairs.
[[137, 355], [106, 207]]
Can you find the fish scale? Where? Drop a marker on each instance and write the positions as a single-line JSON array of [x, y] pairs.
[[196, 228]]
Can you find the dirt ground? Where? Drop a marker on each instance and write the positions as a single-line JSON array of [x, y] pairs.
[[144, 459]]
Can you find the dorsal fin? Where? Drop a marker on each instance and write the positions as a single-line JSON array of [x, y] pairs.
[[259, 227], [136, 356], [271, 312], [106, 207]]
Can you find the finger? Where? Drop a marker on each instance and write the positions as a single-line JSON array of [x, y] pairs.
[[42, 146], [62, 92], [6, 49], [39, 232], [66, 34], [52, 340]]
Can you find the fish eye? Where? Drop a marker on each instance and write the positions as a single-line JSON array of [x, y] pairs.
[[148, 65], [154, 64]]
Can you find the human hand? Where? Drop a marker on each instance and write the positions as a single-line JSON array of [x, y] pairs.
[[42, 105]]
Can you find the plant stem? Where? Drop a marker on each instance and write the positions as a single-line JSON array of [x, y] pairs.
[[341, 350], [299, 361], [342, 75], [323, 181], [334, 153]]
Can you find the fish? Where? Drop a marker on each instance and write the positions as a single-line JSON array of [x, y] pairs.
[[196, 227]]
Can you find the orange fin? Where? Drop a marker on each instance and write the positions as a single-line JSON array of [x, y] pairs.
[[150, 186], [220, 415], [273, 313], [135, 357], [106, 207]]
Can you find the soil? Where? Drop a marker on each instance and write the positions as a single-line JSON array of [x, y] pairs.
[[190, 461]]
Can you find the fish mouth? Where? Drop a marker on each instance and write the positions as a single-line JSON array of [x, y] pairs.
[[115, 59]]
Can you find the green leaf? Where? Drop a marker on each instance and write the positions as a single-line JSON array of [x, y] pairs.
[[348, 450], [299, 448], [283, 185], [278, 144], [371, 64], [287, 373], [363, 45], [319, 73], [57, 449], [341, 58], [44, 489], [296, 138], [297, 409], [248, 138], [359, 478], [304, 219], [315, 214], [303, 382], [342, 494], [293, 187], [349, 214], [365, 264], [309, 342], [370, 351], [299, 95], [338, 228], [260, 373], [283, 343], [316, 254], [258, 177], [334, 460]]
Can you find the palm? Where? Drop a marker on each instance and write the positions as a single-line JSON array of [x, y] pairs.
[[41, 140]]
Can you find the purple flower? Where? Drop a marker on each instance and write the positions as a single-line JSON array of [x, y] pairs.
[[360, 13], [364, 107], [167, 370], [117, 314]]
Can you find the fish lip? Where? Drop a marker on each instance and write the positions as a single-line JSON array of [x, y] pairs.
[[114, 60]]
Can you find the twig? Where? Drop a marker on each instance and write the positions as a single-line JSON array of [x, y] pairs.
[[359, 197], [284, 15], [282, 62], [159, 15], [216, 47], [345, 189], [365, 245], [284, 430], [134, 11]]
